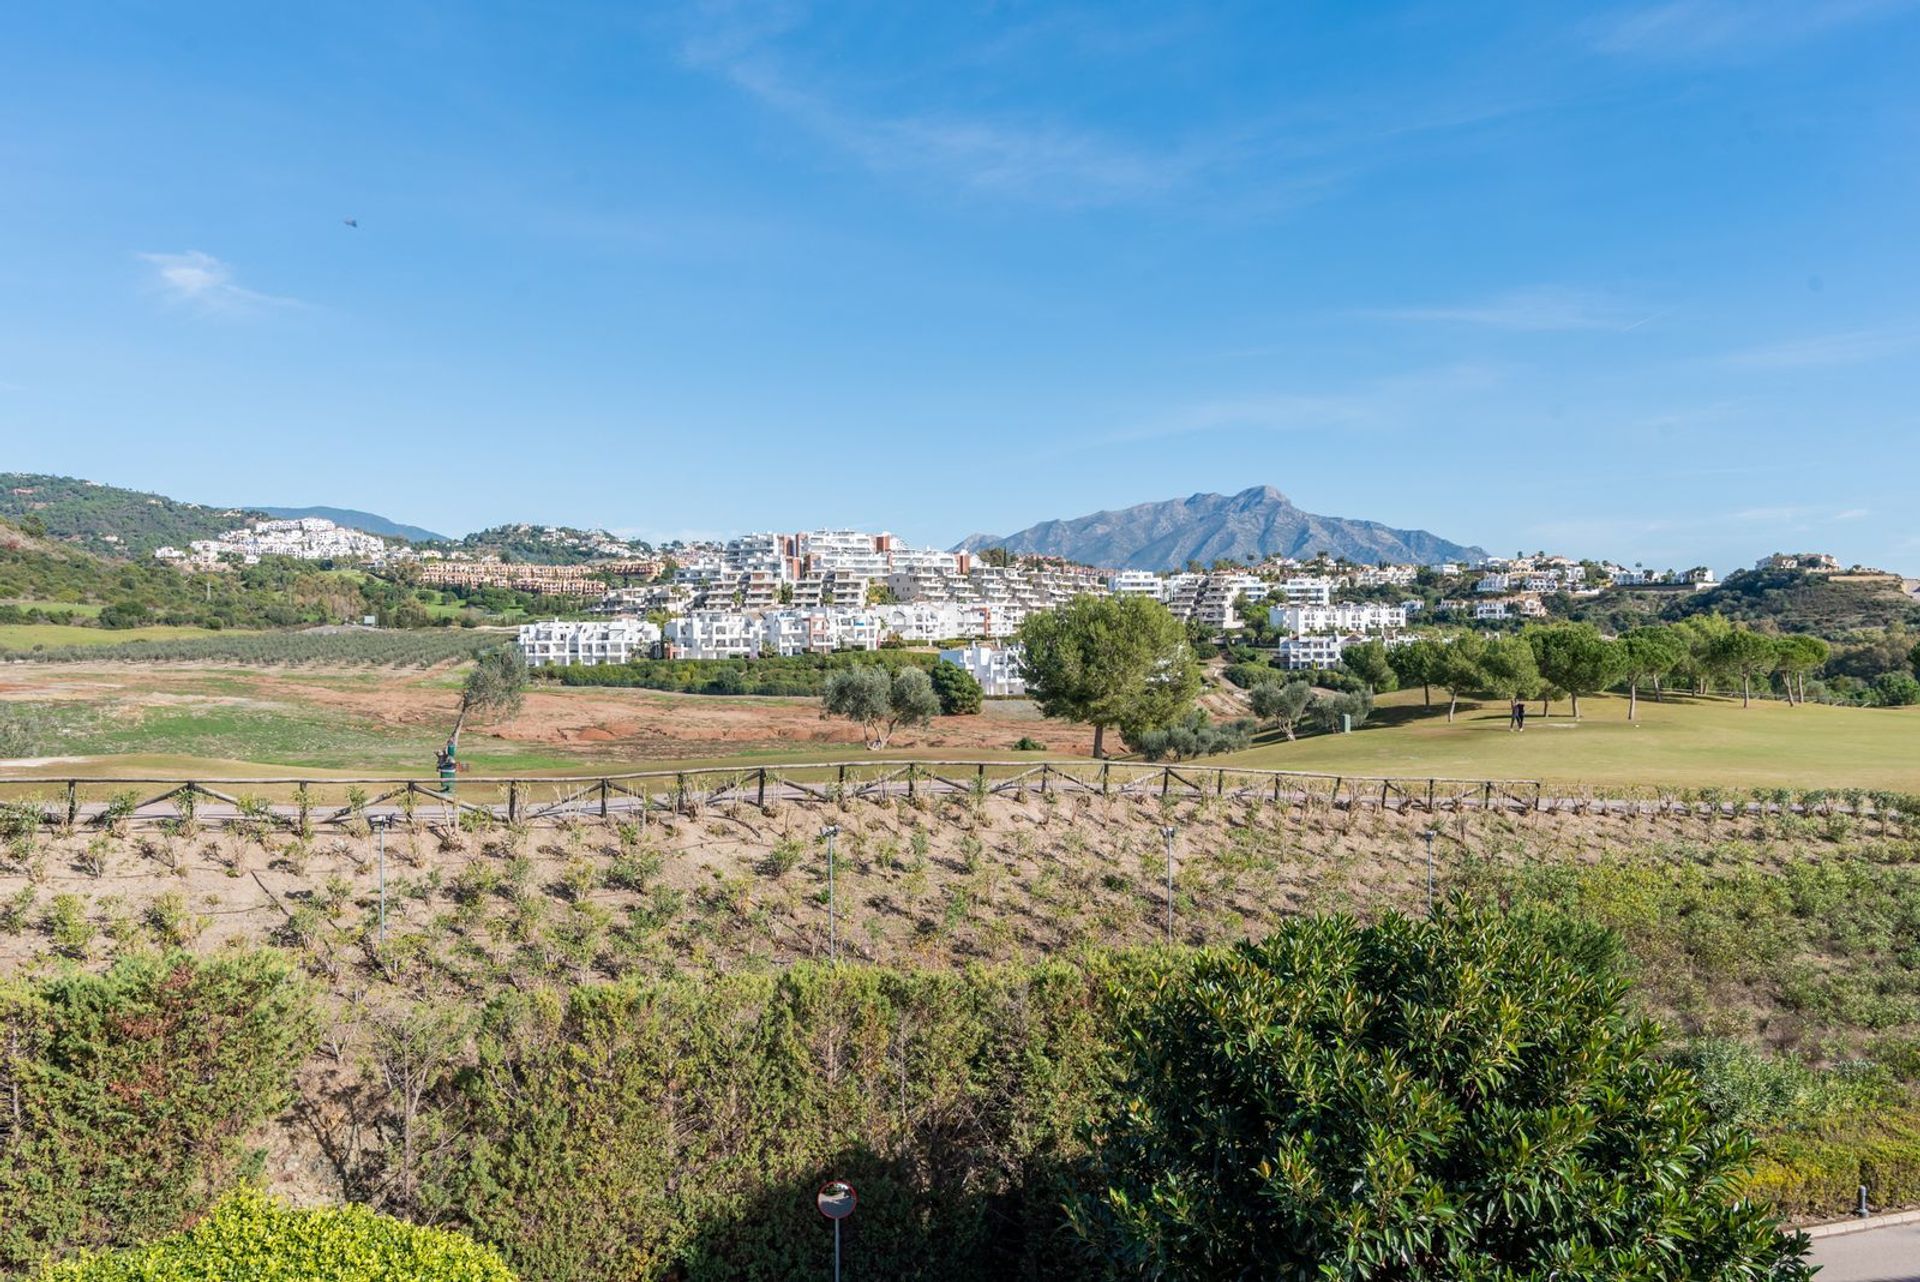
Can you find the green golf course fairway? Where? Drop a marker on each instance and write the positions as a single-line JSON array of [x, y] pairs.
[[1685, 742]]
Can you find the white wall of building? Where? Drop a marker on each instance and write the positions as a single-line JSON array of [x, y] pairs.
[[613, 641], [996, 668]]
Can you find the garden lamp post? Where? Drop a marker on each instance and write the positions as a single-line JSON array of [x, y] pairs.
[[833, 931], [1167, 832]]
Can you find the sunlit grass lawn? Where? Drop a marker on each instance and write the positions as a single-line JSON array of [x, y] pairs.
[[1684, 742], [25, 636]]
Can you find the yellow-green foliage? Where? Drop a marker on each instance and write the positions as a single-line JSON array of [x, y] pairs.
[[1816, 1176], [258, 1239]]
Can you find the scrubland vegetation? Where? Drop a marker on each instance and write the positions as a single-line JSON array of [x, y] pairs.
[[963, 1050]]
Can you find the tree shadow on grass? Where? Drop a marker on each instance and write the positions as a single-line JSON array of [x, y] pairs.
[[902, 1230]]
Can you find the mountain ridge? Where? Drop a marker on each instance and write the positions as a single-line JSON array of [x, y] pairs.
[[1253, 524], [371, 522]]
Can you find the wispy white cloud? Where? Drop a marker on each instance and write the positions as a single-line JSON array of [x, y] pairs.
[[1540, 309], [1292, 155], [1379, 406], [1695, 28], [1038, 160], [201, 280], [1852, 348]]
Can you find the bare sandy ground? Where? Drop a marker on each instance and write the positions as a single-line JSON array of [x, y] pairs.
[[643, 724]]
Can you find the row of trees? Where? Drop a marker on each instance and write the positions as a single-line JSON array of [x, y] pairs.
[[1569, 660]]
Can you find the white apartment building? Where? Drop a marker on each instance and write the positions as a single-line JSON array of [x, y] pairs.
[[763, 553], [838, 588], [1494, 585], [1512, 607], [1345, 617], [1384, 576], [996, 668], [920, 622], [713, 634], [846, 551], [1137, 583], [612, 641], [1305, 590], [926, 561], [788, 632], [1317, 651], [1215, 605]]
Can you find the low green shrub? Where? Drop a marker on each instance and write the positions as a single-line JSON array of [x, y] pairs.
[[1815, 1173], [252, 1237]]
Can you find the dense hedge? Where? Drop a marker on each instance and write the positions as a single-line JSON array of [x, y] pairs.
[[255, 1238], [799, 674], [680, 1129], [129, 1095]]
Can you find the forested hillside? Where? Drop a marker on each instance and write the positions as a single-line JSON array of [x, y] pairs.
[[1796, 601], [42, 581], [107, 519], [547, 544]]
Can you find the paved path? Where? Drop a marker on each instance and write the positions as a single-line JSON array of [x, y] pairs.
[[1876, 1255]]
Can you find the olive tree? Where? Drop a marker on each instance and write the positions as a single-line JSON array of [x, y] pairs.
[[880, 702], [494, 688], [1281, 704], [1461, 1097]]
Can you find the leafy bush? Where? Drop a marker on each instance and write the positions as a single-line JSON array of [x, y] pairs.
[[1896, 690], [1332, 710], [1460, 1097], [1743, 1085], [256, 1238], [960, 694], [135, 1092], [1195, 735]]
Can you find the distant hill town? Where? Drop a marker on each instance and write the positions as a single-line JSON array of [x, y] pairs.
[[369, 522], [1247, 527]]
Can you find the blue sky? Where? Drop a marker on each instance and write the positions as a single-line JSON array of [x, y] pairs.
[[1636, 280]]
